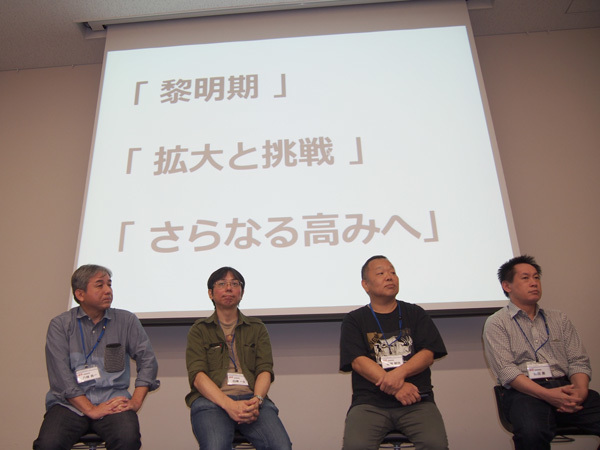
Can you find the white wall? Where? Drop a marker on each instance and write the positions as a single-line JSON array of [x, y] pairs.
[[544, 95]]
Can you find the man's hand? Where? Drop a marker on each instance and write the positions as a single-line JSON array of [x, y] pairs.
[[408, 394], [391, 382], [579, 393], [565, 399], [255, 402], [243, 411], [134, 403], [131, 405], [112, 406]]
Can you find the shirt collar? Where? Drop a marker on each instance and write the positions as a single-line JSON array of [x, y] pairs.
[[108, 314], [513, 310], [214, 319]]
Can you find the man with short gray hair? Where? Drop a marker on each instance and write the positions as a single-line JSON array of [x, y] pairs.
[[87, 355]]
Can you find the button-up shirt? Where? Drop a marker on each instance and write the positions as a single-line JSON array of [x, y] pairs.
[[207, 351], [512, 340], [71, 337]]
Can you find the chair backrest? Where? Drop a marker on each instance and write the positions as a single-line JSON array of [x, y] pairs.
[[499, 393]]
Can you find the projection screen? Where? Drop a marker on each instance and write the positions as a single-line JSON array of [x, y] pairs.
[[294, 145]]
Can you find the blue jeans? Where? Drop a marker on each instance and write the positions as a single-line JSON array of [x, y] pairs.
[[214, 429], [534, 421], [62, 428]]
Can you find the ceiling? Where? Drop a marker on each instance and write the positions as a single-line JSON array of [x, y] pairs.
[[42, 33]]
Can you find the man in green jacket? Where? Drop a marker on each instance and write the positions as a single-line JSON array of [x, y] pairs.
[[230, 369]]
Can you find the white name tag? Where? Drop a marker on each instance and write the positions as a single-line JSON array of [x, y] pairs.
[[87, 374], [390, 361], [538, 370], [236, 379]]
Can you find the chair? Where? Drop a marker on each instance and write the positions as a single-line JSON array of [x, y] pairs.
[[396, 440], [562, 433], [240, 442], [90, 441]]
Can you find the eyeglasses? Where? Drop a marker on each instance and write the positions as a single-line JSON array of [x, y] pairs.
[[233, 284]]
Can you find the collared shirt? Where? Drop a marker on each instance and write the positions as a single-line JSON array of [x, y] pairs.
[[66, 353], [207, 351], [511, 340]]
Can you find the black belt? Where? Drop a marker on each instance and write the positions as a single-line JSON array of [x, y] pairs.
[[537, 380]]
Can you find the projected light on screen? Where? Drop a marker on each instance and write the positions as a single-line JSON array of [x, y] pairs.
[[294, 160]]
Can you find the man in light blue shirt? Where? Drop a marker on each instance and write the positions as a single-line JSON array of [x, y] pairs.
[[88, 350]]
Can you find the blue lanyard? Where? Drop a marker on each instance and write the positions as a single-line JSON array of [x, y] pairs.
[[381, 329], [97, 342], [535, 351]]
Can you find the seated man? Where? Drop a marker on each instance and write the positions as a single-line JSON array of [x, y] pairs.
[[389, 345], [230, 369], [538, 357], [87, 354]]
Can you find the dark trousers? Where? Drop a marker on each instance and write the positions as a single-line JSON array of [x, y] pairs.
[[534, 421], [62, 428]]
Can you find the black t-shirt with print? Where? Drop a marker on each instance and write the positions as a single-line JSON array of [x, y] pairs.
[[361, 336]]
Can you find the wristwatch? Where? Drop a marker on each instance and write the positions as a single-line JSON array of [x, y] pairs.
[[261, 399]]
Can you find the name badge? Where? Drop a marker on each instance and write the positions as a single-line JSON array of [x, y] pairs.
[[390, 361], [236, 379], [538, 370], [87, 374]]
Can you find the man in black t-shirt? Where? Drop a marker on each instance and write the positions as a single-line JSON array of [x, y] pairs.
[[389, 346]]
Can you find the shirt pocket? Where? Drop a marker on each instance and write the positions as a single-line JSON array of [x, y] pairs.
[[214, 356], [249, 351], [114, 358]]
